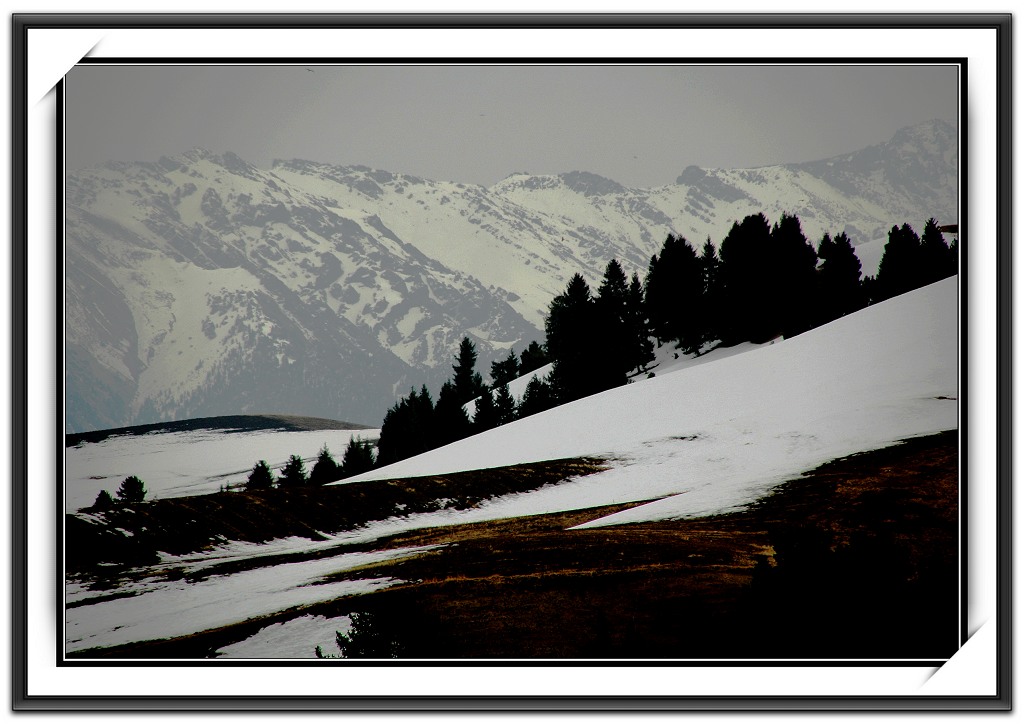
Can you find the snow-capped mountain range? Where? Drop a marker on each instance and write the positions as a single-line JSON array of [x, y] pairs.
[[200, 285]]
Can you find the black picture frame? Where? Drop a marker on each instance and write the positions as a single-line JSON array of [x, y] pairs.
[[23, 296]]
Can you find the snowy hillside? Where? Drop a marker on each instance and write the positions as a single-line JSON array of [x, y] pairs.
[[200, 285], [711, 437], [700, 439]]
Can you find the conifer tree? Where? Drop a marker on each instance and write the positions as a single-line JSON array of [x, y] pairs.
[[841, 290], [793, 263], [132, 490], [325, 470], [358, 457], [899, 270], [533, 357], [711, 297], [613, 320], [451, 421], [293, 473], [504, 405], [674, 293], [260, 478], [537, 397], [486, 415], [641, 347], [409, 428], [466, 380], [506, 370], [104, 501], [746, 284], [572, 326], [934, 263]]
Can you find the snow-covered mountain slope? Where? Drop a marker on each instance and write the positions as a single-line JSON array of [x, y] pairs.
[[201, 285], [712, 437]]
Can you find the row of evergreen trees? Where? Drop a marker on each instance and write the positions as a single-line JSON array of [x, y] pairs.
[[358, 458], [131, 490], [762, 281], [416, 423]]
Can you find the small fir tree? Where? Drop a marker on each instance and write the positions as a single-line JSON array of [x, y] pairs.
[[132, 490], [506, 370], [466, 380], [533, 357], [504, 405], [294, 472], [934, 254], [452, 422], [260, 478], [486, 415], [641, 346], [358, 457], [537, 397], [325, 470], [104, 501]]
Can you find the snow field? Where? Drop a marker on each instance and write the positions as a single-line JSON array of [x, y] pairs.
[[198, 462]]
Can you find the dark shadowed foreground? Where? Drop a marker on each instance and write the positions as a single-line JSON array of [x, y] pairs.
[[857, 559]]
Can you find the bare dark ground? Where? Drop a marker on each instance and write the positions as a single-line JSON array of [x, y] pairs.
[[857, 559]]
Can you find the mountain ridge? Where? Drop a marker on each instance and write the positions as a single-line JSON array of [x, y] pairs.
[[202, 285]]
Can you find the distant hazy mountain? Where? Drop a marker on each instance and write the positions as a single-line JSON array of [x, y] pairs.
[[200, 285]]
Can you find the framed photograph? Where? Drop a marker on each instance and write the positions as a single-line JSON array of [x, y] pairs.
[[498, 362]]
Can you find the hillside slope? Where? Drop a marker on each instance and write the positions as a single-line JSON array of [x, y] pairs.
[[719, 435]]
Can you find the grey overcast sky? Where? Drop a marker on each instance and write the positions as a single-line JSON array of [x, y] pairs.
[[639, 125]]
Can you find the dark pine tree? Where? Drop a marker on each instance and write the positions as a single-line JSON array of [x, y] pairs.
[[575, 342], [953, 259], [408, 428], [899, 270], [641, 346], [450, 418], [673, 295], [260, 478], [504, 405], [793, 264], [325, 469], [486, 415], [934, 254], [611, 307], [466, 380], [104, 501], [841, 290], [537, 397], [505, 370], [533, 357], [358, 457], [711, 299], [293, 473], [132, 490], [746, 285]]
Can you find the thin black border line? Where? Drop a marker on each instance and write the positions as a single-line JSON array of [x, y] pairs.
[[1000, 22], [505, 20], [62, 656]]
